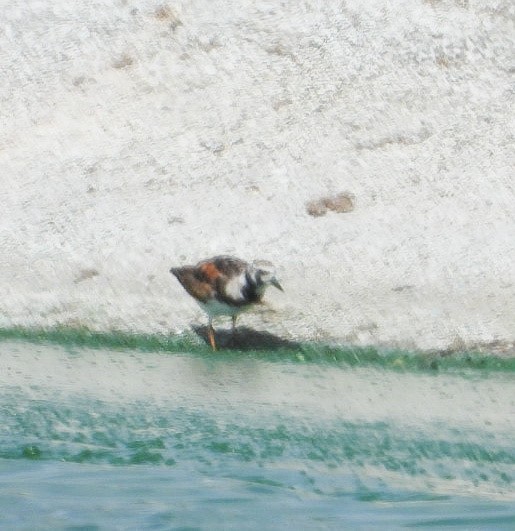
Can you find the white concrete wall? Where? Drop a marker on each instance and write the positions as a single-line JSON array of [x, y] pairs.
[[138, 135]]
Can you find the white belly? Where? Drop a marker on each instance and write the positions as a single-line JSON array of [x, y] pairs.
[[215, 308]]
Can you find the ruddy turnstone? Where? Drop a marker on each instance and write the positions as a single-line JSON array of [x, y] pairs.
[[225, 285]]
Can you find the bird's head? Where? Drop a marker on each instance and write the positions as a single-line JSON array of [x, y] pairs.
[[263, 274]]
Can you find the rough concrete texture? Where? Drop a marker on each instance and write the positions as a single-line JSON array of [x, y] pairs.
[[138, 135]]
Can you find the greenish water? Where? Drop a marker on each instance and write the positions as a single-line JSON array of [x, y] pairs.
[[120, 431]]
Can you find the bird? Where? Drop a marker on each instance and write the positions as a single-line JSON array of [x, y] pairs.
[[226, 285]]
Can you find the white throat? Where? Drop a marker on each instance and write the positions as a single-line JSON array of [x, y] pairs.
[[234, 287]]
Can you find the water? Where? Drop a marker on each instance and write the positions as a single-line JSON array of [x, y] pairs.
[[141, 432]]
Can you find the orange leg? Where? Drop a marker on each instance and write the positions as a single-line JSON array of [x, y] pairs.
[[233, 331], [211, 335]]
